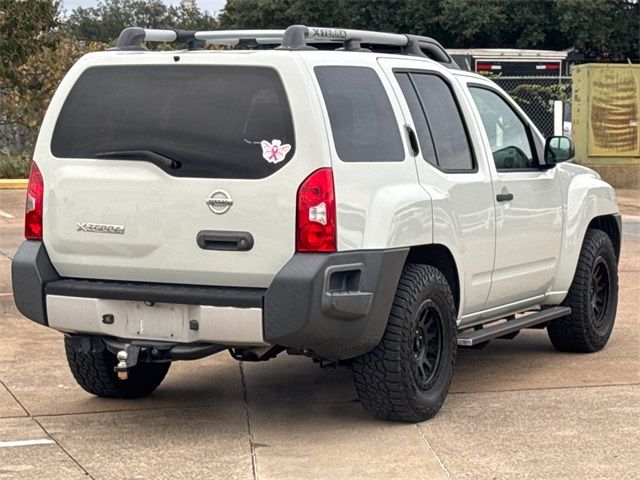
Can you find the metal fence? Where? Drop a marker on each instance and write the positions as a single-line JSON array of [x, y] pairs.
[[13, 138], [535, 95]]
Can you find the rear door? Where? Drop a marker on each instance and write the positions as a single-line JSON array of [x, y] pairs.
[[452, 170], [176, 172]]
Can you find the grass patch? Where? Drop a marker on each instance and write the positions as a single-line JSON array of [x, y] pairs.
[[14, 166]]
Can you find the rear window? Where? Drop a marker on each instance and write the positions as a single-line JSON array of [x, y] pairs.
[[362, 121], [217, 121]]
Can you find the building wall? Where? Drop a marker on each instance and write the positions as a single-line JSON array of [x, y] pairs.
[[606, 120]]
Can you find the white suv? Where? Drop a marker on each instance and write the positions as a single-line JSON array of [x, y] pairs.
[[348, 195]]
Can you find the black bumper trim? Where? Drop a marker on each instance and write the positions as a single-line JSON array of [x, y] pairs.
[[31, 270], [334, 305], [307, 308], [159, 293]]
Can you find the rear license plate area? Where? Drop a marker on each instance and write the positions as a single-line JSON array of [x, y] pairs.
[[156, 320]]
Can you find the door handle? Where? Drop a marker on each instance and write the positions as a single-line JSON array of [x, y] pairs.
[[504, 197], [413, 141], [222, 240]]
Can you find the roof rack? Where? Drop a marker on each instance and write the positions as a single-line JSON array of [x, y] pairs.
[[295, 37]]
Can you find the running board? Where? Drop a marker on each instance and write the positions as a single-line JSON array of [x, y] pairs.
[[471, 337]]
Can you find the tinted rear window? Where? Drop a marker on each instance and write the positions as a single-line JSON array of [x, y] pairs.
[[362, 121], [218, 121], [445, 121]]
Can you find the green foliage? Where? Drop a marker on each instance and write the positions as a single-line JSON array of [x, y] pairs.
[[520, 24], [14, 166], [26, 26], [37, 80], [104, 22], [24, 104], [601, 29], [536, 95], [370, 14]]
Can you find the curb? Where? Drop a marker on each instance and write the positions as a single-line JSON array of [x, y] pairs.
[[7, 184]]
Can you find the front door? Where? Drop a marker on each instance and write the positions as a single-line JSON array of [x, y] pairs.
[[528, 202]]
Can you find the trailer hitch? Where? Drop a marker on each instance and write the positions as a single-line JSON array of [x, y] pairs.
[[127, 358], [131, 352]]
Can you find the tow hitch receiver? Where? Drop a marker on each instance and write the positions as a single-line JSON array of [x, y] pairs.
[[131, 352], [127, 358]]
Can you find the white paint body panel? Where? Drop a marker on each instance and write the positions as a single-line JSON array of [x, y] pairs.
[[585, 196], [463, 212], [379, 204], [162, 214], [509, 257], [528, 228]]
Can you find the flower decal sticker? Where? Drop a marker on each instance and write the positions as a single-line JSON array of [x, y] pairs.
[[274, 152]]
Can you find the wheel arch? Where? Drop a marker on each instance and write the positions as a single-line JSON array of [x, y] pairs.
[[612, 226], [440, 257], [589, 203]]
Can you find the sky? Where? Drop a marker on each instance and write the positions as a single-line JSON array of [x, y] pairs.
[[213, 6]]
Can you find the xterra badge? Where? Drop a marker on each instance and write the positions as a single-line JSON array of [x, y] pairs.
[[100, 228]]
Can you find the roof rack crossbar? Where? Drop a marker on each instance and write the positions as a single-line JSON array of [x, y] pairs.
[[295, 37], [131, 38]]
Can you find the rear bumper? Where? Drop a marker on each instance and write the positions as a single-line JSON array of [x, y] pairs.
[[333, 305]]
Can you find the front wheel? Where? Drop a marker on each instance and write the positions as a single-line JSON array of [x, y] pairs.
[[593, 298], [406, 377]]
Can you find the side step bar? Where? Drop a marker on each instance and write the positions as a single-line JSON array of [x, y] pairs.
[[471, 337]]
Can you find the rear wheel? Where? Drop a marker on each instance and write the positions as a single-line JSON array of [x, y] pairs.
[[94, 372], [593, 298], [406, 377]]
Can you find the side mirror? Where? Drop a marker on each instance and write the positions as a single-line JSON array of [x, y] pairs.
[[558, 149]]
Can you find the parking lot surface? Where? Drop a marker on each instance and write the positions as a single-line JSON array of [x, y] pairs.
[[517, 409]]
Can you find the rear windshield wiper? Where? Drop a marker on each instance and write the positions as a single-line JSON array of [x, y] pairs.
[[148, 155]]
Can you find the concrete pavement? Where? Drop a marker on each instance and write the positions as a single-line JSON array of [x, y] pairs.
[[517, 409]]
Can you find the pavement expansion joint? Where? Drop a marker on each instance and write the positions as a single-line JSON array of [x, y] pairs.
[[254, 465], [542, 389], [84, 470], [433, 452], [15, 398], [118, 410]]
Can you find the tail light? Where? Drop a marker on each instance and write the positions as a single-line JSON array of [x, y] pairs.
[[316, 226], [33, 213]]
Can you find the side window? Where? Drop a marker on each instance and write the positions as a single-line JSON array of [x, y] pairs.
[[448, 132], [419, 120], [509, 136], [362, 121]]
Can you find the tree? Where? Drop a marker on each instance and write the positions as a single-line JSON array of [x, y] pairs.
[[601, 29], [371, 14], [26, 27], [496, 23], [104, 22], [37, 79]]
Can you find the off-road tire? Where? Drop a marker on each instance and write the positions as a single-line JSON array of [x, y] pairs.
[[385, 378], [94, 373], [586, 331]]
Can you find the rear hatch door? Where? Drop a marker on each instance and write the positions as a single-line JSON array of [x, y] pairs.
[[174, 172]]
